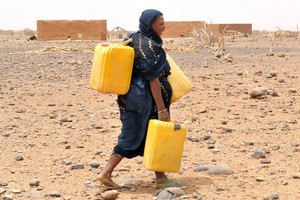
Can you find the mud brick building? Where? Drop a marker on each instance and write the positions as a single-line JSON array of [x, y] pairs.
[[175, 29], [71, 29], [232, 29]]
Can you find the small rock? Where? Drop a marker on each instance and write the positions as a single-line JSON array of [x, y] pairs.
[[260, 179], [66, 161], [296, 176], [259, 153], [265, 161], [34, 182], [170, 193], [77, 166], [8, 197], [21, 111], [54, 194], [273, 93], [248, 143], [258, 91], [19, 158], [95, 164], [16, 191], [292, 90], [2, 190], [109, 195], [220, 170], [201, 168]]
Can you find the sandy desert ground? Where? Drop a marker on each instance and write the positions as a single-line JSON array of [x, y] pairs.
[[56, 133]]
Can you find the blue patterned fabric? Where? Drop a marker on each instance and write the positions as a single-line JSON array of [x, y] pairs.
[[137, 107]]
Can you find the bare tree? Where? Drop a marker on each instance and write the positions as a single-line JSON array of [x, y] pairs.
[[205, 35]]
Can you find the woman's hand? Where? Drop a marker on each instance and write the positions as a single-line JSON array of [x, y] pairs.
[[164, 116]]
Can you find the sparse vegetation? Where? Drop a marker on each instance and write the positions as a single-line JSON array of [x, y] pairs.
[[24, 32], [205, 35]]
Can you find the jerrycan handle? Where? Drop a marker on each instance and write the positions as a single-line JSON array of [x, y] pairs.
[[125, 43]]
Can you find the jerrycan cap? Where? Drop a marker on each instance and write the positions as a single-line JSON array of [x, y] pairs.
[[177, 125]]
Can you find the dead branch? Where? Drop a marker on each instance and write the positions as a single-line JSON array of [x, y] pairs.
[[271, 53]]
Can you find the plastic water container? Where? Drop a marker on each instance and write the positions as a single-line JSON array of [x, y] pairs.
[[164, 146], [112, 68], [178, 80]]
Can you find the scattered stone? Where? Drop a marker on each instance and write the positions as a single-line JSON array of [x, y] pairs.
[[281, 55], [16, 191], [110, 195], [220, 170], [265, 161], [273, 93], [260, 179], [54, 194], [95, 164], [258, 92], [272, 197], [66, 161], [21, 111], [34, 182], [77, 166], [296, 176], [248, 143], [201, 168], [8, 197], [292, 90], [2, 190], [228, 130], [259, 153], [170, 193], [19, 158]]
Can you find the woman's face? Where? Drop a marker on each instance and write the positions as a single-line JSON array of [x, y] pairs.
[[159, 25]]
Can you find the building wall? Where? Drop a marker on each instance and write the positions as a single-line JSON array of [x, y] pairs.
[[241, 28], [73, 29], [180, 28]]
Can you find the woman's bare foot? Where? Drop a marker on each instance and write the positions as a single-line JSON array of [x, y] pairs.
[[103, 179], [163, 181], [161, 178], [107, 182]]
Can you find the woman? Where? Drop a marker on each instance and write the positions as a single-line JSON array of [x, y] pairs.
[[149, 95]]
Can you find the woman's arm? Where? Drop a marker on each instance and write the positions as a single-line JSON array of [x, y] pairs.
[[163, 114]]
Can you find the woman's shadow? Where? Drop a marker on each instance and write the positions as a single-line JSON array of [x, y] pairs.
[[187, 184]]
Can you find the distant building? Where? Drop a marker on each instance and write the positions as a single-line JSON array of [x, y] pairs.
[[177, 29], [118, 33], [72, 29], [231, 29]]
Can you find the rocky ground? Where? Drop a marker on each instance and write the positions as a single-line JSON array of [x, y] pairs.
[[242, 118]]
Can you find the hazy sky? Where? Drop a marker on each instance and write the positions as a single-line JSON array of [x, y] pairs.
[[263, 14]]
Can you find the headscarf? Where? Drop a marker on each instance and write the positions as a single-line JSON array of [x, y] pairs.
[[146, 20], [150, 58]]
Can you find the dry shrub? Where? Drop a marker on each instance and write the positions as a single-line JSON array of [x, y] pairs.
[[205, 35], [286, 33]]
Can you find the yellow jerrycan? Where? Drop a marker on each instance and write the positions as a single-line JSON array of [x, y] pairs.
[[178, 80], [164, 146], [112, 68]]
